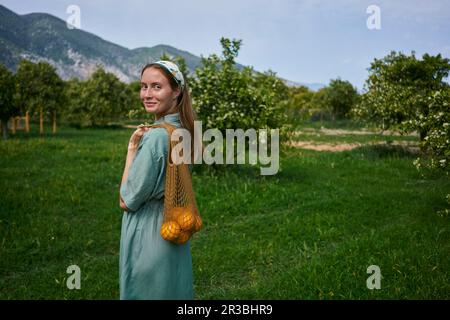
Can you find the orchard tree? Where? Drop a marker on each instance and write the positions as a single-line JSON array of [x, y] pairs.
[[75, 110], [299, 103], [98, 100], [340, 98], [39, 90], [52, 91], [137, 110], [320, 105], [398, 90], [436, 144], [8, 108], [228, 97]]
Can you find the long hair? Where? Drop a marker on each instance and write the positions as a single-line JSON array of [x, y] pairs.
[[184, 105]]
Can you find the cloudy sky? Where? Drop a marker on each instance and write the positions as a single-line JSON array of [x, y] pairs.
[[304, 41]]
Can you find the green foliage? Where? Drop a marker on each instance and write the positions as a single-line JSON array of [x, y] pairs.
[[340, 97], [98, 101], [329, 103], [7, 106], [398, 89], [227, 97], [7, 90], [38, 86], [299, 103], [437, 125], [137, 111], [320, 107], [408, 94]]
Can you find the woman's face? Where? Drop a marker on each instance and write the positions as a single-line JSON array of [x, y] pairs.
[[157, 95]]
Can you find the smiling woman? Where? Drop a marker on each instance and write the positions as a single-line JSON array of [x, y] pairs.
[[157, 95], [151, 267]]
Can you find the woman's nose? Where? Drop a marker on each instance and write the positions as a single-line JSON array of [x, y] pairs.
[[148, 92]]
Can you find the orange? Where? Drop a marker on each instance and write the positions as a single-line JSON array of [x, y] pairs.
[[183, 237], [186, 220], [170, 230], [175, 212], [198, 223]]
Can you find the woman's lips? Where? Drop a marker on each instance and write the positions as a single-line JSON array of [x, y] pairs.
[[149, 104]]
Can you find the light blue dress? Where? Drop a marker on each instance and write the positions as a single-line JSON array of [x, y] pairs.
[[151, 267]]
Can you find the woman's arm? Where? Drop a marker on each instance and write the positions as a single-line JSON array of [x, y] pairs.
[[132, 150], [130, 157]]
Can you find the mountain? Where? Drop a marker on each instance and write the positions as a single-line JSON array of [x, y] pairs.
[[74, 52], [311, 86]]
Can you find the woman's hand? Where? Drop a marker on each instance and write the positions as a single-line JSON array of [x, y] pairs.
[[136, 138]]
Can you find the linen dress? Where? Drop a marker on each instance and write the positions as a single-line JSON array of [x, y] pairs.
[[151, 267]]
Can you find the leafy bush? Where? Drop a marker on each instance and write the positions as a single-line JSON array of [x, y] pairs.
[[398, 89], [436, 145], [226, 96], [98, 101]]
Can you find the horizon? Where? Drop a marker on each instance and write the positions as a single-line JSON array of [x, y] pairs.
[[330, 40]]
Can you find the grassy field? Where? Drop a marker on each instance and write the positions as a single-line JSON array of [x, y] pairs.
[[309, 232]]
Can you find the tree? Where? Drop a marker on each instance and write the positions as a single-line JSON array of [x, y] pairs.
[[99, 100], [75, 110], [398, 89], [436, 145], [27, 89], [8, 108], [39, 89], [228, 97], [299, 103], [340, 97], [137, 110], [52, 91]]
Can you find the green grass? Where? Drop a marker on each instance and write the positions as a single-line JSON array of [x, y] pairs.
[[309, 232], [319, 137], [346, 124]]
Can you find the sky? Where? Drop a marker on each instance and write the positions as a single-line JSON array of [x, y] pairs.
[[310, 41]]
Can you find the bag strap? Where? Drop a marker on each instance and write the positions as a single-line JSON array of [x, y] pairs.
[[170, 128]]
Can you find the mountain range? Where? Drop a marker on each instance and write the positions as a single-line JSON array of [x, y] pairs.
[[76, 53]]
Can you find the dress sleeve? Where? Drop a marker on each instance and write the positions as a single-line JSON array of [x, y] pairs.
[[147, 170]]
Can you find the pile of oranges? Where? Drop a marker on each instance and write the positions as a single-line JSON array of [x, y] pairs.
[[181, 225]]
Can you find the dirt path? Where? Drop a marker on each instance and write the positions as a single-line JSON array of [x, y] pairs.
[[312, 145], [341, 132]]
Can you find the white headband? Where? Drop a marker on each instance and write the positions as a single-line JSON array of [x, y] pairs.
[[173, 70]]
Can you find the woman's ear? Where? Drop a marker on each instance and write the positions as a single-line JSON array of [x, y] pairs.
[[176, 93]]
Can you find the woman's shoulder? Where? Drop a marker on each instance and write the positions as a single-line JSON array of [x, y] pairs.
[[155, 138]]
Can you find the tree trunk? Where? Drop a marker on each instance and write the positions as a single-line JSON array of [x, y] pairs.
[[422, 135], [54, 121], [41, 122], [27, 122], [14, 124], [5, 129]]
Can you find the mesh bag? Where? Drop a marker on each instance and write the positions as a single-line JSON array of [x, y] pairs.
[[181, 216]]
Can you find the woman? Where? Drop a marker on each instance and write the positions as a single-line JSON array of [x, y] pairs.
[[151, 267]]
